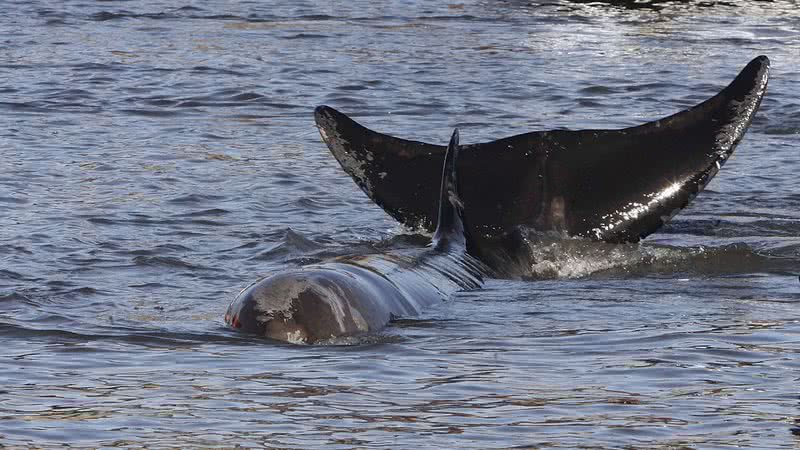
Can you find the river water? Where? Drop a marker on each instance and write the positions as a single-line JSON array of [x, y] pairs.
[[156, 157]]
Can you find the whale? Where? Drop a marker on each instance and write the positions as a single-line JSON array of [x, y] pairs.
[[358, 294], [611, 185]]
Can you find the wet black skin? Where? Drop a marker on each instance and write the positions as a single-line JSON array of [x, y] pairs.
[[608, 185], [350, 296], [360, 294]]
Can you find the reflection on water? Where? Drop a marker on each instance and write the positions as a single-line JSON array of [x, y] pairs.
[[156, 158]]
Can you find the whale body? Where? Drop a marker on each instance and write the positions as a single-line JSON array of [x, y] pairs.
[[359, 294]]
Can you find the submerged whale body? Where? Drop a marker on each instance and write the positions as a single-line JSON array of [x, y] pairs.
[[359, 294], [607, 185]]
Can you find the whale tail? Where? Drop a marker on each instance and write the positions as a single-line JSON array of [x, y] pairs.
[[607, 185], [451, 234]]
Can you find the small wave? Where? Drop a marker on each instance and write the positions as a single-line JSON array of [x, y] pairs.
[[161, 249], [13, 200], [217, 71], [550, 257], [306, 36], [150, 112], [649, 87], [589, 103], [18, 107], [310, 204], [362, 341], [153, 285], [10, 274], [205, 212], [96, 67], [246, 97], [52, 292], [568, 259], [352, 87], [403, 241], [291, 244], [104, 16], [166, 261], [328, 253], [189, 8], [14, 297], [597, 90], [85, 290], [746, 225], [782, 130], [100, 220], [117, 334], [195, 199]]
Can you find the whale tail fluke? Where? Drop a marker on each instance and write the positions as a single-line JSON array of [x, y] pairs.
[[613, 185], [450, 231]]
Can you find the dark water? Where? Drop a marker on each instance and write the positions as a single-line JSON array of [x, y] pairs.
[[156, 157]]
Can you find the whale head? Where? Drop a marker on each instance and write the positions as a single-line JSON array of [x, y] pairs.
[[299, 307]]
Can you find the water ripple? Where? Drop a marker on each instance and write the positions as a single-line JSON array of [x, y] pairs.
[[157, 158]]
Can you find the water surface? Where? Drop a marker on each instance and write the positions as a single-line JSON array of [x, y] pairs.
[[156, 157]]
